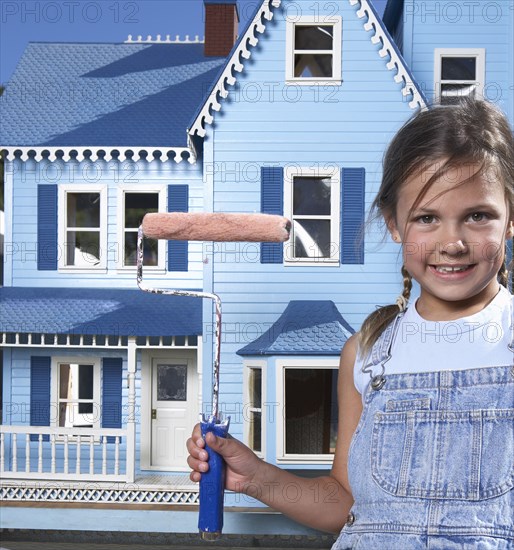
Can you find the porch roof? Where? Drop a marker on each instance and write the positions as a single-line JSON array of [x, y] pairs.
[[109, 312], [306, 327]]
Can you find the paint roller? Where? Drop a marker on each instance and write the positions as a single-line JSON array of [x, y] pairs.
[[219, 227]]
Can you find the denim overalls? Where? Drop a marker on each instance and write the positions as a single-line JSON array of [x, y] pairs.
[[431, 463]]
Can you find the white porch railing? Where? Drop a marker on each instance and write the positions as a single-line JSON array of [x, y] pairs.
[[86, 454]]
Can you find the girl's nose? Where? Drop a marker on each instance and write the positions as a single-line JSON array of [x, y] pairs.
[[455, 248]]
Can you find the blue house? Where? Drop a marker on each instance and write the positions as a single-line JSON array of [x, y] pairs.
[[102, 383]]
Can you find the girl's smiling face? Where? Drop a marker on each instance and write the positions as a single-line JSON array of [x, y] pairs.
[[454, 239]]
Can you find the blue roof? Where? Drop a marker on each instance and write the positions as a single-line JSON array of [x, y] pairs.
[[84, 94], [306, 327], [115, 312]]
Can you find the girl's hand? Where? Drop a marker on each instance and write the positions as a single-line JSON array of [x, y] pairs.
[[241, 462]]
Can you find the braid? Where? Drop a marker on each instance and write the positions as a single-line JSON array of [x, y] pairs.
[[503, 275], [378, 321], [407, 283]]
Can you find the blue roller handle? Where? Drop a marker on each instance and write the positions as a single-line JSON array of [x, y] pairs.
[[212, 482]]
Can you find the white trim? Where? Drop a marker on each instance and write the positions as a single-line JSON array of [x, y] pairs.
[[244, 50], [62, 226], [135, 153], [54, 388], [249, 364], [477, 53], [158, 40], [161, 243], [334, 173], [337, 23], [388, 50], [281, 366]]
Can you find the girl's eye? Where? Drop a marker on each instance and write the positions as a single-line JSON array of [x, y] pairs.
[[426, 219], [478, 216]]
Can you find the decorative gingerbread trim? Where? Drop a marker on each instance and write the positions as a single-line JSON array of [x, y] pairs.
[[388, 49], [234, 65]]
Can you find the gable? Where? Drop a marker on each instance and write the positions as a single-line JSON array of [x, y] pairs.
[[267, 31]]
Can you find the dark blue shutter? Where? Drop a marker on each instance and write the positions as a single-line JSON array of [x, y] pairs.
[[178, 201], [272, 202], [47, 227], [352, 215], [112, 369], [40, 393]]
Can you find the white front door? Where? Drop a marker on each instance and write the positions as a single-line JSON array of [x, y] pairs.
[[174, 410]]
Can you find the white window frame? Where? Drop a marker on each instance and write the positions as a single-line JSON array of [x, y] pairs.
[[161, 244], [247, 367], [337, 23], [322, 171], [282, 365], [54, 388], [62, 227], [477, 53]]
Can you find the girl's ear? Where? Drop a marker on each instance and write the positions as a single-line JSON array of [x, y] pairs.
[[510, 230], [393, 230]]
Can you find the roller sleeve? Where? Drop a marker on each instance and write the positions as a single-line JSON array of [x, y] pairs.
[[218, 227]]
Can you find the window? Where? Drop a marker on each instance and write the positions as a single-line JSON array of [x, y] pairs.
[[253, 410], [312, 203], [313, 51], [134, 205], [82, 228], [76, 392], [309, 393], [458, 73]]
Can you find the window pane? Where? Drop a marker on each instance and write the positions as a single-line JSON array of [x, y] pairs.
[[308, 37], [311, 238], [458, 68], [171, 382], [83, 209], [150, 249], [256, 431], [85, 381], [82, 248], [311, 411], [453, 93], [65, 381], [313, 65], [255, 388], [311, 196], [137, 205]]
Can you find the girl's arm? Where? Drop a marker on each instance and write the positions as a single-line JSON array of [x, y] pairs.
[[322, 502]]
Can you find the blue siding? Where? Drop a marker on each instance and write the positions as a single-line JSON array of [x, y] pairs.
[[447, 24], [272, 202], [353, 182], [47, 227], [40, 392], [178, 201]]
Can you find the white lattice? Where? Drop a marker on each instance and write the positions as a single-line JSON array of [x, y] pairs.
[[54, 493]]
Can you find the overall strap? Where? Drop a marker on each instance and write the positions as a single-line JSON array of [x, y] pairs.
[[511, 345], [381, 353]]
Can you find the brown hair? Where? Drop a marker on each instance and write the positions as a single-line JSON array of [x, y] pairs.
[[471, 131]]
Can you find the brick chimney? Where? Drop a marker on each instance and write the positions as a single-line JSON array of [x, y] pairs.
[[221, 22]]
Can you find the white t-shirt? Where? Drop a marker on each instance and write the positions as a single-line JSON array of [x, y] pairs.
[[479, 340]]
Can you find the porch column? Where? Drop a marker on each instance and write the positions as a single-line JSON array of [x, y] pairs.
[[131, 416]]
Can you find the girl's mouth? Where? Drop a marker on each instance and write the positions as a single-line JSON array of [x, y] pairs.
[[452, 269]]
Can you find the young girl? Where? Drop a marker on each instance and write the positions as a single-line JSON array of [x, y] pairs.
[[425, 449]]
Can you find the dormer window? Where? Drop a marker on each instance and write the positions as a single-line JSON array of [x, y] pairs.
[[458, 73], [313, 51]]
